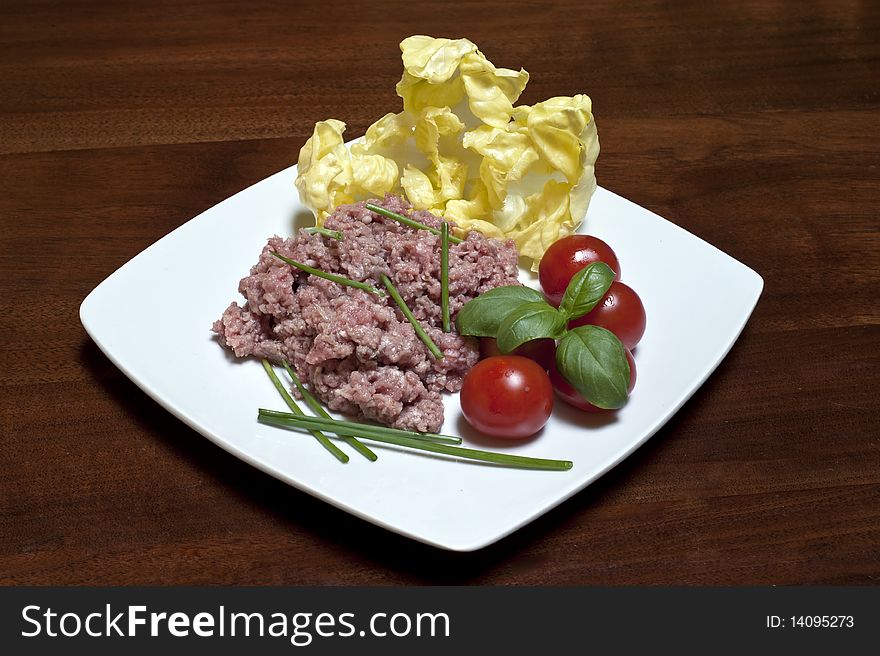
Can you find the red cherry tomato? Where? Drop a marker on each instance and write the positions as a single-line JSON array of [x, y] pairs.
[[573, 398], [566, 257], [621, 312], [507, 396], [542, 351]]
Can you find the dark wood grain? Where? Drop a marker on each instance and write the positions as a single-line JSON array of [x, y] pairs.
[[752, 124]]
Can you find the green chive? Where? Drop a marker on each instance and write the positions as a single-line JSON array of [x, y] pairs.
[[444, 274], [493, 457], [357, 428], [333, 234], [308, 397], [342, 280], [318, 409], [405, 220], [323, 439], [432, 347]]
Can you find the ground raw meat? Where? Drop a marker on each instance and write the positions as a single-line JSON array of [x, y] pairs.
[[355, 350]]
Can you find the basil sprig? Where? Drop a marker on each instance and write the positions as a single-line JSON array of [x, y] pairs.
[[529, 321], [590, 358], [482, 316], [586, 288], [593, 361]]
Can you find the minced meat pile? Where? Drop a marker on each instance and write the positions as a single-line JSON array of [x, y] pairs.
[[355, 350]]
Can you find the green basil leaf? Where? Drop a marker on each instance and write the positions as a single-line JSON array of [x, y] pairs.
[[593, 360], [529, 321], [586, 288], [482, 316]]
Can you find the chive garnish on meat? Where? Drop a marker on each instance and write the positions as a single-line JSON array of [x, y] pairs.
[[323, 439], [343, 427], [444, 274], [333, 234], [432, 347], [318, 409], [342, 280], [405, 220], [387, 435]]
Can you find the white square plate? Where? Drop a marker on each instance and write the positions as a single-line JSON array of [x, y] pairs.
[[152, 318]]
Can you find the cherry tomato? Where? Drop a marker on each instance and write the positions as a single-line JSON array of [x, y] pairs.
[[573, 398], [566, 257], [507, 396], [621, 312], [542, 351]]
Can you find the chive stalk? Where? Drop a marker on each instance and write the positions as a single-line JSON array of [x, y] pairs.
[[308, 397], [506, 459], [318, 409], [444, 274], [432, 347], [323, 439], [356, 428], [333, 234], [342, 280], [405, 220]]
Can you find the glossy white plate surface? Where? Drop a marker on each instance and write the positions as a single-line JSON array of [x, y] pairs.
[[168, 350]]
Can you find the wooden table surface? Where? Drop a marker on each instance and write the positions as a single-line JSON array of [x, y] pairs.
[[752, 124]]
